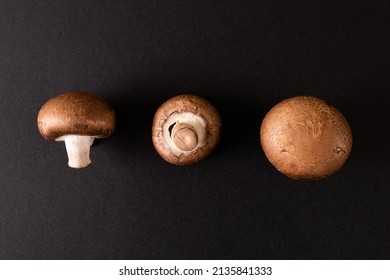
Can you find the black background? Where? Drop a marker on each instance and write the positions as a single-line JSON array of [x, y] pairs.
[[242, 56]]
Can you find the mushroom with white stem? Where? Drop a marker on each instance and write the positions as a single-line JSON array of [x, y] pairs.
[[76, 118], [186, 128]]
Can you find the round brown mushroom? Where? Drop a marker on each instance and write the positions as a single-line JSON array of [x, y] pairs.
[[76, 118], [186, 128], [305, 138]]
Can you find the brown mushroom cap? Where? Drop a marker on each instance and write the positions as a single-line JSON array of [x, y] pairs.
[[76, 113], [199, 107], [305, 138]]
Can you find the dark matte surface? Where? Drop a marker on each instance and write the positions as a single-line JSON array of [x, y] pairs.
[[244, 58]]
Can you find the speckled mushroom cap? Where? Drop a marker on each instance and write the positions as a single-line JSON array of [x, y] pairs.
[[162, 128], [76, 113], [306, 138]]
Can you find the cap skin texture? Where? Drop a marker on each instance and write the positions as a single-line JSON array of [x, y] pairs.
[[185, 129], [305, 138], [76, 118]]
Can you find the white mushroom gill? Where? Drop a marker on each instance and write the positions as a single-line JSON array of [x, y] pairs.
[[77, 147], [184, 133]]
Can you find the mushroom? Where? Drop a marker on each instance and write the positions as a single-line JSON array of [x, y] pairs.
[[186, 128], [76, 118], [306, 138]]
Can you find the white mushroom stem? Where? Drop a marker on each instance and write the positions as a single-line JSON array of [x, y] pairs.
[[184, 133], [77, 147], [184, 136]]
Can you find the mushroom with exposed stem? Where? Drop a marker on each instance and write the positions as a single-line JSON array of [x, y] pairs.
[[76, 118], [186, 128], [306, 138]]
